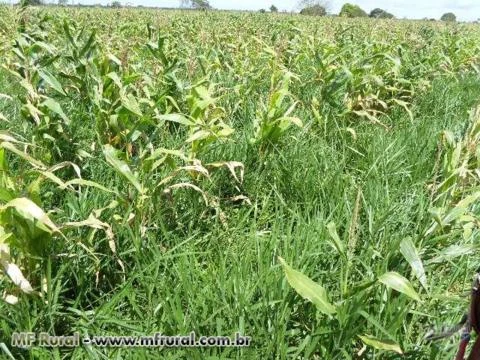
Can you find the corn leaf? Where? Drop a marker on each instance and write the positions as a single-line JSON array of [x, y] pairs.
[[52, 81], [31, 211], [121, 167]]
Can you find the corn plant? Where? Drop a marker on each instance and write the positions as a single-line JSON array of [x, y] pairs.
[[40, 109], [26, 229], [457, 195], [274, 118]]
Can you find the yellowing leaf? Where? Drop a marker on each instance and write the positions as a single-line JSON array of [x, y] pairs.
[[10, 147], [31, 211], [378, 344], [13, 272], [10, 299], [95, 223], [87, 183], [177, 118], [199, 135]]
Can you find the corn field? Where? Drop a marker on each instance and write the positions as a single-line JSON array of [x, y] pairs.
[[310, 183]]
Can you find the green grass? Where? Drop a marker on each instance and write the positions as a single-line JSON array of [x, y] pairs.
[[181, 264], [217, 280]]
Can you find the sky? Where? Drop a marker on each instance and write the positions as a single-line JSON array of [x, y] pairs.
[[466, 10]]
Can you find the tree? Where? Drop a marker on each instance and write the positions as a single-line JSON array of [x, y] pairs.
[[262, 11], [313, 7], [380, 14], [24, 3], [116, 4], [196, 4], [351, 11], [273, 9], [303, 4], [449, 17], [315, 10]]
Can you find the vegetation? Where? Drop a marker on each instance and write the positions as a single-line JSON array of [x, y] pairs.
[[31, 3], [352, 11], [380, 14], [313, 7], [116, 4], [196, 4], [273, 9], [309, 182], [449, 17], [314, 10]]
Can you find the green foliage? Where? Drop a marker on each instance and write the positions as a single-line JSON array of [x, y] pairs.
[[273, 9], [352, 11], [378, 13], [25, 3], [450, 17], [314, 10], [274, 118], [153, 168], [199, 4]]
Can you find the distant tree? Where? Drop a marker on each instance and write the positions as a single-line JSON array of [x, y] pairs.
[[273, 9], [116, 4], [24, 3], [263, 11], [380, 14], [196, 4], [352, 11], [315, 10], [304, 4], [449, 17], [313, 7]]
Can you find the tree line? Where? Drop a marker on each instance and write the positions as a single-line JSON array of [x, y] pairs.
[[306, 7]]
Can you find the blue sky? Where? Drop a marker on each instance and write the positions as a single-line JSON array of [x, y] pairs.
[[466, 10]]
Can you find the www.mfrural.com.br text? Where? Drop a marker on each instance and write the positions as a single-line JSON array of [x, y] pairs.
[[42, 339]]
